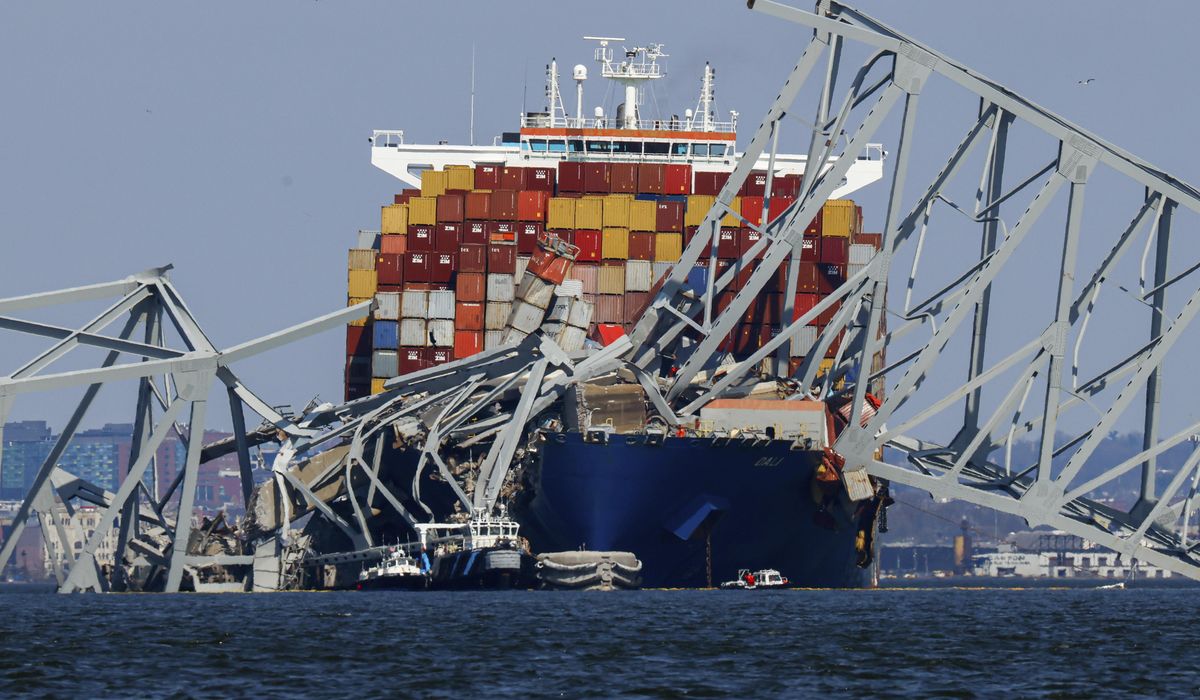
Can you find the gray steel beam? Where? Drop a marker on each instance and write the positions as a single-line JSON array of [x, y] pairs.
[[1154, 385], [194, 389]]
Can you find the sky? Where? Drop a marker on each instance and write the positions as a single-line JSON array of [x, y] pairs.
[[230, 138]]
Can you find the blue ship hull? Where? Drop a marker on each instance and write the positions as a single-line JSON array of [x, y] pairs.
[[668, 503]]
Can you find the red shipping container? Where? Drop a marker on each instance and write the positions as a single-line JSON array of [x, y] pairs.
[[814, 226], [826, 316], [548, 266], [810, 249], [677, 179], [595, 178], [651, 178], [641, 245], [871, 239], [668, 218], [724, 266], [728, 244], [450, 208], [622, 178], [358, 340], [468, 315], [412, 360], [396, 244], [438, 356], [689, 233], [779, 203], [470, 286], [786, 186], [442, 266], [475, 232], [755, 184], [390, 268], [830, 275], [420, 238], [358, 389], [498, 231], [527, 237], [472, 257], [531, 205], [502, 258], [835, 250], [504, 205], [810, 276], [487, 177], [709, 182], [751, 210], [417, 265], [801, 304], [467, 343], [405, 195], [747, 237], [635, 305], [446, 237], [570, 178], [763, 309], [540, 179], [479, 205], [589, 243], [513, 178]]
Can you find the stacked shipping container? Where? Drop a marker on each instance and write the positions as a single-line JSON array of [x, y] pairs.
[[450, 270]]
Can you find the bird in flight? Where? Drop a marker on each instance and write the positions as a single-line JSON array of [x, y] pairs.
[[1085, 82]]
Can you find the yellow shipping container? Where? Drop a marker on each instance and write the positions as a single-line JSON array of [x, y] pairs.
[[363, 283], [610, 279], [838, 217], [422, 211], [460, 177], [358, 300], [589, 213], [394, 219], [697, 208], [433, 183], [362, 259], [642, 215], [825, 367], [614, 245], [616, 211], [730, 219], [377, 385], [668, 247], [560, 213]]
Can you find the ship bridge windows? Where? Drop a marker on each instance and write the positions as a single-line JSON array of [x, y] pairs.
[[679, 149], [657, 148], [575, 145], [599, 146], [631, 147]]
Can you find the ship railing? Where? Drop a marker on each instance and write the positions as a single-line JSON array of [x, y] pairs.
[[387, 137], [543, 121]]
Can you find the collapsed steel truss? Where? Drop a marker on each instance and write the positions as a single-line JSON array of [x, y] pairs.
[[1054, 489]]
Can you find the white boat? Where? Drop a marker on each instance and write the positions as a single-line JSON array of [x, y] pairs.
[[762, 579], [397, 570]]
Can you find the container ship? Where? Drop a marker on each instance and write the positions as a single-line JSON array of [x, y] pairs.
[[741, 489]]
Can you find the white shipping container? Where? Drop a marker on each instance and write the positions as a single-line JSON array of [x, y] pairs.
[[571, 339], [639, 276], [441, 333], [441, 304], [803, 341], [861, 253], [493, 339], [526, 317], [500, 287], [385, 364], [512, 336], [551, 329], [853, 269], [413, 333], [569, 288], [560, 309], [368, 239], [661, 269], [495, 315], [581, 314], [522, 265], [415, 304], [387, 306], [536, 291]]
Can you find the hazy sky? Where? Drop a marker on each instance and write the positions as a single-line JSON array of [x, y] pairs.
[[230, 138]]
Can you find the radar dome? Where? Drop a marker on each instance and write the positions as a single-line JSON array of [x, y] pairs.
[[580, 71]]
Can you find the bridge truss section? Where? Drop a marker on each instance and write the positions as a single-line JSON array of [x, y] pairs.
[[995, 271]]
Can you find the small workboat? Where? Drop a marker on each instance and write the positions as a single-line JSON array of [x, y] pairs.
[[763, 579], [396, 571]]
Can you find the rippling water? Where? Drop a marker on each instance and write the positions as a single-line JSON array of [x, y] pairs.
[[944, 642]]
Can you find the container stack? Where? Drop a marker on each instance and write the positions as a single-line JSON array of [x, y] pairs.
[[483, 256]]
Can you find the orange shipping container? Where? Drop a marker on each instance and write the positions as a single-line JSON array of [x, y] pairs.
[[531, 205], [393, 244], [467, 343], [468, 316]]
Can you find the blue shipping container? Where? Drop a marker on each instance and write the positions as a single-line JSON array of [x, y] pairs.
[[386, 335], [697, 279]]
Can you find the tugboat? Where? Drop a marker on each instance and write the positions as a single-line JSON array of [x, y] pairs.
[[762, 579], [396, 571], [485, 552]]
